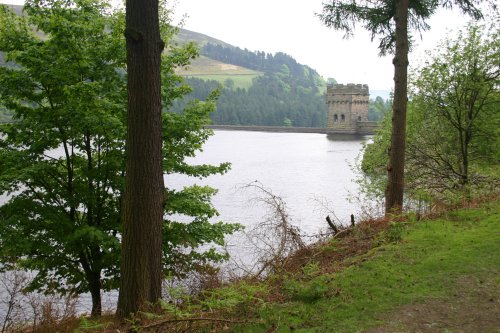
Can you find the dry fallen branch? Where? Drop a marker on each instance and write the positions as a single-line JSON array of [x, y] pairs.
[[172, 321], [341, 232], [275, 237]]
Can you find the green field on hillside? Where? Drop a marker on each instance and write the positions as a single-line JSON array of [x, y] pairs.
[[239, 81], [208, 69]]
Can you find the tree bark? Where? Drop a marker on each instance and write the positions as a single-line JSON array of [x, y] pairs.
[[95, 293], [140, 279], [395, 169], [93, 278]]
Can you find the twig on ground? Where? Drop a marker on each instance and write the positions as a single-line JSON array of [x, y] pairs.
[[171, 321]]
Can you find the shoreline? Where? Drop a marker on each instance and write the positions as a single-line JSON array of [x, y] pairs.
[[283, 129]]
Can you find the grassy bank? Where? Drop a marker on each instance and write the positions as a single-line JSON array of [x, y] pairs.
[[433, 275]]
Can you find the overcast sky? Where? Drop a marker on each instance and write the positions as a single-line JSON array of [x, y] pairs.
[[290, 26]]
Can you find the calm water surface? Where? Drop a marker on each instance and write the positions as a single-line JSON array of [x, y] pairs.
[[300, 167]]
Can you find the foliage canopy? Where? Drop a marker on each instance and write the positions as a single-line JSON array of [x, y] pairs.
[[377, 17], [453, 119], [62, 160]]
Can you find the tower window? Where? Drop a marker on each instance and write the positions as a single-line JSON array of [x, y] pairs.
[[335, 118], [359, 118], [342, 118]]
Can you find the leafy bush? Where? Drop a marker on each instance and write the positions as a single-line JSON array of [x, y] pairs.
[[307, 291]]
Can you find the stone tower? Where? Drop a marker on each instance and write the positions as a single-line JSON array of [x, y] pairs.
[[347, 107]]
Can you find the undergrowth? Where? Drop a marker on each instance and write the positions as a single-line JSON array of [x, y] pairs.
[[351, 282], [410, 263]]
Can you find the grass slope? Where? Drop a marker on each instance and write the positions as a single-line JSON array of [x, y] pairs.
[[209, 69], [185, 35], [442, 276], [435, 275]]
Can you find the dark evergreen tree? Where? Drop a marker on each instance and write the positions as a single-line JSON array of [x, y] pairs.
[[393, 21]]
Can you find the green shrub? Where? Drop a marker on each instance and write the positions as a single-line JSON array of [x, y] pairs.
[[393, 234], [307, 291], [234, 296]]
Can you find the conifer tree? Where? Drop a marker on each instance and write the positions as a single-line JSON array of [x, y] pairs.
[[393, 21]]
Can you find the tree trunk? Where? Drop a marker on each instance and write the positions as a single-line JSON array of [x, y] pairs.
[[93, 278], [395, 169], [140, 279], [95, 293]]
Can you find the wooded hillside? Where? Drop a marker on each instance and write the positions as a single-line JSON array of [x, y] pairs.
[[285, 93]]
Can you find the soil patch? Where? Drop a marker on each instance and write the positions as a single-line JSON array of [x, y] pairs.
[[473, 308]]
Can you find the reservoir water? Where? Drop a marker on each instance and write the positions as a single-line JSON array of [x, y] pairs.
[[302, 168], [299, 167]]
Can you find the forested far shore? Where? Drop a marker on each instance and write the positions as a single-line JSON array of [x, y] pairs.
[[285, 94]]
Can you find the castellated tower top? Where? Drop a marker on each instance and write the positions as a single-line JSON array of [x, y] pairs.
[[348, 89]]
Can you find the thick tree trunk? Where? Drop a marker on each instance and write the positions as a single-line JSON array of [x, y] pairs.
[[140, 280], [395, 169]]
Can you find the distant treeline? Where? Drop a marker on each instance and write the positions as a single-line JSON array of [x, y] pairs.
[[378, 107], [287, 94], [259, 60], [269, 102]]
